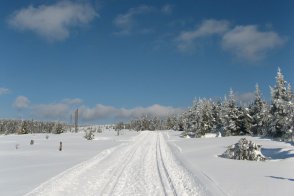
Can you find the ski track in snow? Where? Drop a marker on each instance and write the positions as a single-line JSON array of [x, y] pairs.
[[145, 166]]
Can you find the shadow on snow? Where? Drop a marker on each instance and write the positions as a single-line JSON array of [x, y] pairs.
[[281, 178], [277, 153]]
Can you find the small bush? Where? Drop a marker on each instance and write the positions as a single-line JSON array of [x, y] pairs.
[[59, 128], [32, 142], [244, 150], [89, 135], [99, 130]]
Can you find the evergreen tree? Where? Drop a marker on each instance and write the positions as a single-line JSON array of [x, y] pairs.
[[190, 120], [171, 122], [244, 121], [180, 123], [229, 116], [59, 128], [259, 112], [216, 114], [154, 124], [205, 124], [118, 127], [24, 128], [281, 108]]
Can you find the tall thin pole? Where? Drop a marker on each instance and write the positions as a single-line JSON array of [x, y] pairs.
[[76, 119]]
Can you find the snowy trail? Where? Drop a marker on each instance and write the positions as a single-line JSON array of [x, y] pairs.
[[145, 166]]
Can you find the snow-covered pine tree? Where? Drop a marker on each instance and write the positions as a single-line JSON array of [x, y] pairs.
[[58, 128], [171, 122], [154, 124], [180, 123], [187, 118], [216, 114], [205, 123], [118, 127], [89, 134], [24, 128], [229, 116], [281, 107], [290, 132], [259, 111], [135, 125], [190, 119], [244, 150], [244, 121]]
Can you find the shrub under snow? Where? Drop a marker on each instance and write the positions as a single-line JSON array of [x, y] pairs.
[[89, 135], [244, 150]]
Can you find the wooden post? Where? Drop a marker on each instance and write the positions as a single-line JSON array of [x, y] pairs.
[[60, 146]]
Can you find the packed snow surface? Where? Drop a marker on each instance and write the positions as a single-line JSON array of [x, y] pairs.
[[143, 163], [142, 167]]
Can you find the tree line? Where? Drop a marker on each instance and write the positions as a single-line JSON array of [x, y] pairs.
[[228, 117], [31, 126]]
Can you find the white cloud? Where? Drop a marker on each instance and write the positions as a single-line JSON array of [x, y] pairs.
[[55, 111], [104, 112], [206, 28], [4, 91], [249, 43], [53, 22], [75, 101], [63, 109], [21, 102], [126, 22], [167, 9]]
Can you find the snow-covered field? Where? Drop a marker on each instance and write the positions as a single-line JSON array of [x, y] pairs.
[[147, 163], [238, 177], [22, 169]]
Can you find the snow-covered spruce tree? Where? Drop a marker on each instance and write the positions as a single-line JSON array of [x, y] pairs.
[[135, 125], [244, 121], [205, 120], [180, 123], [290, 132], [24, 128], [118, 127], [171, 122], [244, 150], [58, 128], [194, 119], [216, 114], [203, 117], [89, 134], [229, 116], [154, 124], [190, 119], [186, 122], [145, 123], [259, 111], [281, 108]]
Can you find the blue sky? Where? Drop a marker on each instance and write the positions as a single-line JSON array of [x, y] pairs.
[[117, 60]]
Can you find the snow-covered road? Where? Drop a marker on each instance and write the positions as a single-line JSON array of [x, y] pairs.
[[144, 166]]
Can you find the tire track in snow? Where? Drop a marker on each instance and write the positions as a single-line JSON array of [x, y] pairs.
[[68, 177], [163, 171], [109, 187]]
